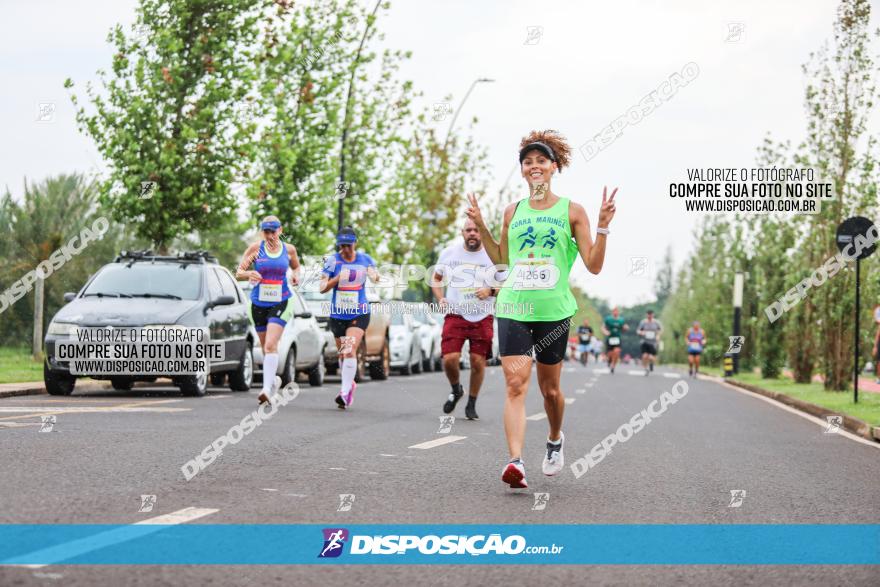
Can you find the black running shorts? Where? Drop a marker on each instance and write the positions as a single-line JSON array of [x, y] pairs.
[[338, 326], [549, 339]]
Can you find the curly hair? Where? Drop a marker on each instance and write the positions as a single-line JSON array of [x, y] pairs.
[[552, 139]]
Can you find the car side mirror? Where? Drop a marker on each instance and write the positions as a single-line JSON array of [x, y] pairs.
[[69, 296], [220, 301]]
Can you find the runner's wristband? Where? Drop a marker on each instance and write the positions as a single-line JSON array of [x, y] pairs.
[[600, 230]]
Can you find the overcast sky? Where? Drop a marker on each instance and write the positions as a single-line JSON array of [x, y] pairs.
[[585, 66]]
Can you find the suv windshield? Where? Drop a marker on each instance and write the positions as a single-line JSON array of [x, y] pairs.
[[147, 279]]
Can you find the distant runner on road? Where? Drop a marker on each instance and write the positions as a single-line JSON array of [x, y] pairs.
[[613, 328], [649, 329], [585, 336], [696, 342]]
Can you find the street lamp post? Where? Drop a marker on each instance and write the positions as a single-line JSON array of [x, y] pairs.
[[737, 312], [460, 106]]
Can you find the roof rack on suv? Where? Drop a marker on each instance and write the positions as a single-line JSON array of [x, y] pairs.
[[148, 255], [202, 255]]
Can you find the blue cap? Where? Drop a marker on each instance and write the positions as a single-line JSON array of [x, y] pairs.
[[271, 225], [346, 236]]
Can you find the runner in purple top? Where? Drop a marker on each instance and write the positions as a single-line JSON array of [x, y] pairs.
[[270, 258]]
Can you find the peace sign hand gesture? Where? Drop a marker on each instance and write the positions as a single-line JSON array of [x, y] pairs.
[[606, 212], [473, 211]]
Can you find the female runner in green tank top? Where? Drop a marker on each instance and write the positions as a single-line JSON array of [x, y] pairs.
[[540, 240]]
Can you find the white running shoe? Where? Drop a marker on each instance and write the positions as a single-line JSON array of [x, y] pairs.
[[267, 397], [554, 460]]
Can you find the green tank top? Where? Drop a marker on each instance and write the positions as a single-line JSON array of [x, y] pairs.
[[540, 253]]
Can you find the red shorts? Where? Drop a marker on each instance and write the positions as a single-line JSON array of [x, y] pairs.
[[456, 330]]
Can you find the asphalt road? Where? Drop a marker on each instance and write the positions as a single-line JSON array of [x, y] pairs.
[[107, 449]]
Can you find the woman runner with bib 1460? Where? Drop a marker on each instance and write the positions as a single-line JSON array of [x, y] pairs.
[[540, 240], [270, 258]]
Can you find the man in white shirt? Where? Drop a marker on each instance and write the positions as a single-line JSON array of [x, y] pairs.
[[469, 304]]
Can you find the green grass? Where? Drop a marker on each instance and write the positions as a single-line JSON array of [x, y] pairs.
[[17, 365], [868, 408]]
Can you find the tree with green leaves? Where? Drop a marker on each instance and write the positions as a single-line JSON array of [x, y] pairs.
[[43, 220], [168, 120]]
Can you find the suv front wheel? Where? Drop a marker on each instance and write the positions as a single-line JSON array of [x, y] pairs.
[[57, 383]]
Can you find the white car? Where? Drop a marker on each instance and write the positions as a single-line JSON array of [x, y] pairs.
[[319, 305], [302, 344], [406, 348], [430, 332]]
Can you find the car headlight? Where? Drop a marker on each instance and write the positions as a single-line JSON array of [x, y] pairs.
[[61, 328]]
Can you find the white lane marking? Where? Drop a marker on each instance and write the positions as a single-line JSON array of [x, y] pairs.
[[540, 416], [673, 375], [218, 396], [438, 442], [804, 415], [642, 373], [590, 384], [337, 469], [296, 494], [569, 400], [603, 371], [580, 390], [19, 424], [85, 410], [382, 454], [179, 517], [267, 489], [74, 548]]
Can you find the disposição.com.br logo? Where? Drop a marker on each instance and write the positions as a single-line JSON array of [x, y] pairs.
[[393, 544]]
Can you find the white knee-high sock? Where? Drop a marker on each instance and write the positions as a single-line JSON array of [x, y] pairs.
[[270, 369], [349, 367]]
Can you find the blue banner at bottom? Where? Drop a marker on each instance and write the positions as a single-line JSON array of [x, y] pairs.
[[259, 544]]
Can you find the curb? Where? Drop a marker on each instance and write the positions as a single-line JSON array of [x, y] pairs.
[[28, 389], [39, 388], [854, 425]]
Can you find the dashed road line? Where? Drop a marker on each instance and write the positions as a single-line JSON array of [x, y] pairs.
[[438, 442], [44, 411], [540, 416], [179, 517], [75, 548]]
